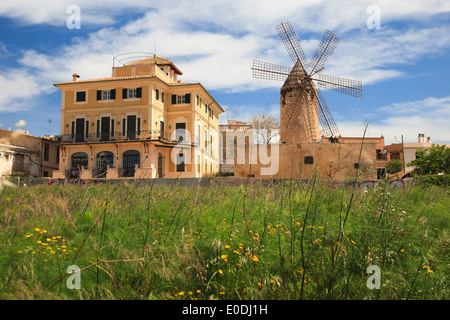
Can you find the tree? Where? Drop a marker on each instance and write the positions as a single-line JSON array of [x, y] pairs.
[[266, 127], [434, 160], [393, 166]]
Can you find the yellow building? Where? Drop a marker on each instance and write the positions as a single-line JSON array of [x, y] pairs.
[[141, 122]]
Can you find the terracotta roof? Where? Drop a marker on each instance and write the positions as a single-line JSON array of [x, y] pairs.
[[106, 79]]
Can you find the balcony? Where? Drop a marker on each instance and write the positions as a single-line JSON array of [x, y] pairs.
[[112, 137]]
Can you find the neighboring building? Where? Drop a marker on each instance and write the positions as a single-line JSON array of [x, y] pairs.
[[27, 156], [380, 154], [133, 123], [231, 133], [331, 161], [406, 152]]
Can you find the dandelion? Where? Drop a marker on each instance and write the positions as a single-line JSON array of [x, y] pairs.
[[181, 293], [220, 271], [269, 227], [223, 257], [37, 229], [402, 250], [430, 271], [227, 247], [353, 242], [255, 259], [199, 291], [29, 235], [221, 292]]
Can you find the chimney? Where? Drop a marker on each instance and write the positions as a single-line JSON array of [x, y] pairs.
[[428, 139], [421, 138], [75, 77]]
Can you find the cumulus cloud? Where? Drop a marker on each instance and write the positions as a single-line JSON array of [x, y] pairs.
[[429, 116]]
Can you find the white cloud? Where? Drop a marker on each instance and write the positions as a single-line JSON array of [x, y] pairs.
[[429, 116]]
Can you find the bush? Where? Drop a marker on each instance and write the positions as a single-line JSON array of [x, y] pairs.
[[393, 166], [434, 179]]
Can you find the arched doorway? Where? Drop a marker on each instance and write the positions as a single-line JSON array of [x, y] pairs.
[[130, 160], [104, 159], [79, 160], [160, 165]]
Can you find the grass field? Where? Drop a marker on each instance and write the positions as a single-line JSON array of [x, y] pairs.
[[287, 241]]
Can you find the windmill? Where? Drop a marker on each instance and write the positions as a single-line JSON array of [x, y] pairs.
[[302, 103]]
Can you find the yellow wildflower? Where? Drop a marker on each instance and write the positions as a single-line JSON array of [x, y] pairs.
[[220, 271], [227, 247], [181, 293], [223, 257], [255, 259], [402, 250], [37, 229]]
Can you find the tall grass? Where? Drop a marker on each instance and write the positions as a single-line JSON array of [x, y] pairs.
[[292, 240]]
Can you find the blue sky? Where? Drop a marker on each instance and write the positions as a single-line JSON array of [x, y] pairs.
[[404, 65]]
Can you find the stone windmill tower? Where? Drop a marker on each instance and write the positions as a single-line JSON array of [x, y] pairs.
[[302, 106]]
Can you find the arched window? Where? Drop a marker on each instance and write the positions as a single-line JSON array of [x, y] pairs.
[[104, 159], [130, 160], [79, 160]]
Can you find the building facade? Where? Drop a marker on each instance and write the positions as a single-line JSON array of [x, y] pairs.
[[142, 122], [24, 155]]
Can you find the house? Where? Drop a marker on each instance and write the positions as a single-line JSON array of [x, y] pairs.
[[406, 152], [141, 122], [22, 154]]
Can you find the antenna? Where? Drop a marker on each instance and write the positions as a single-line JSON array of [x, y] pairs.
[[49, 120]]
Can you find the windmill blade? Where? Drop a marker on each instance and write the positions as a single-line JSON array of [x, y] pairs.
[[325, 118], [325, 49], [269, 71], [292, 44], [347, 86]]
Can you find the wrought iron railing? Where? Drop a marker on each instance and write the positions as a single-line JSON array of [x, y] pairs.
[[118, 136]]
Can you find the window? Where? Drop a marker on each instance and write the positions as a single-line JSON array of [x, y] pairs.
[[309, 160], [131, 93], [106, 94], [180, 163], [157, 94], [46, 151], [210, 143], [81, 96], [356, 165], [181, 99], [57, 154], [176, 99], [206, 108], [199, 130], [162, 97], [198, 163]]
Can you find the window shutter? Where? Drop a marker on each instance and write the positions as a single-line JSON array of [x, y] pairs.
[[174, 99], [187, 98], [157, 94], [124, 93], [99, 94], [113, 94], [138, 92]]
